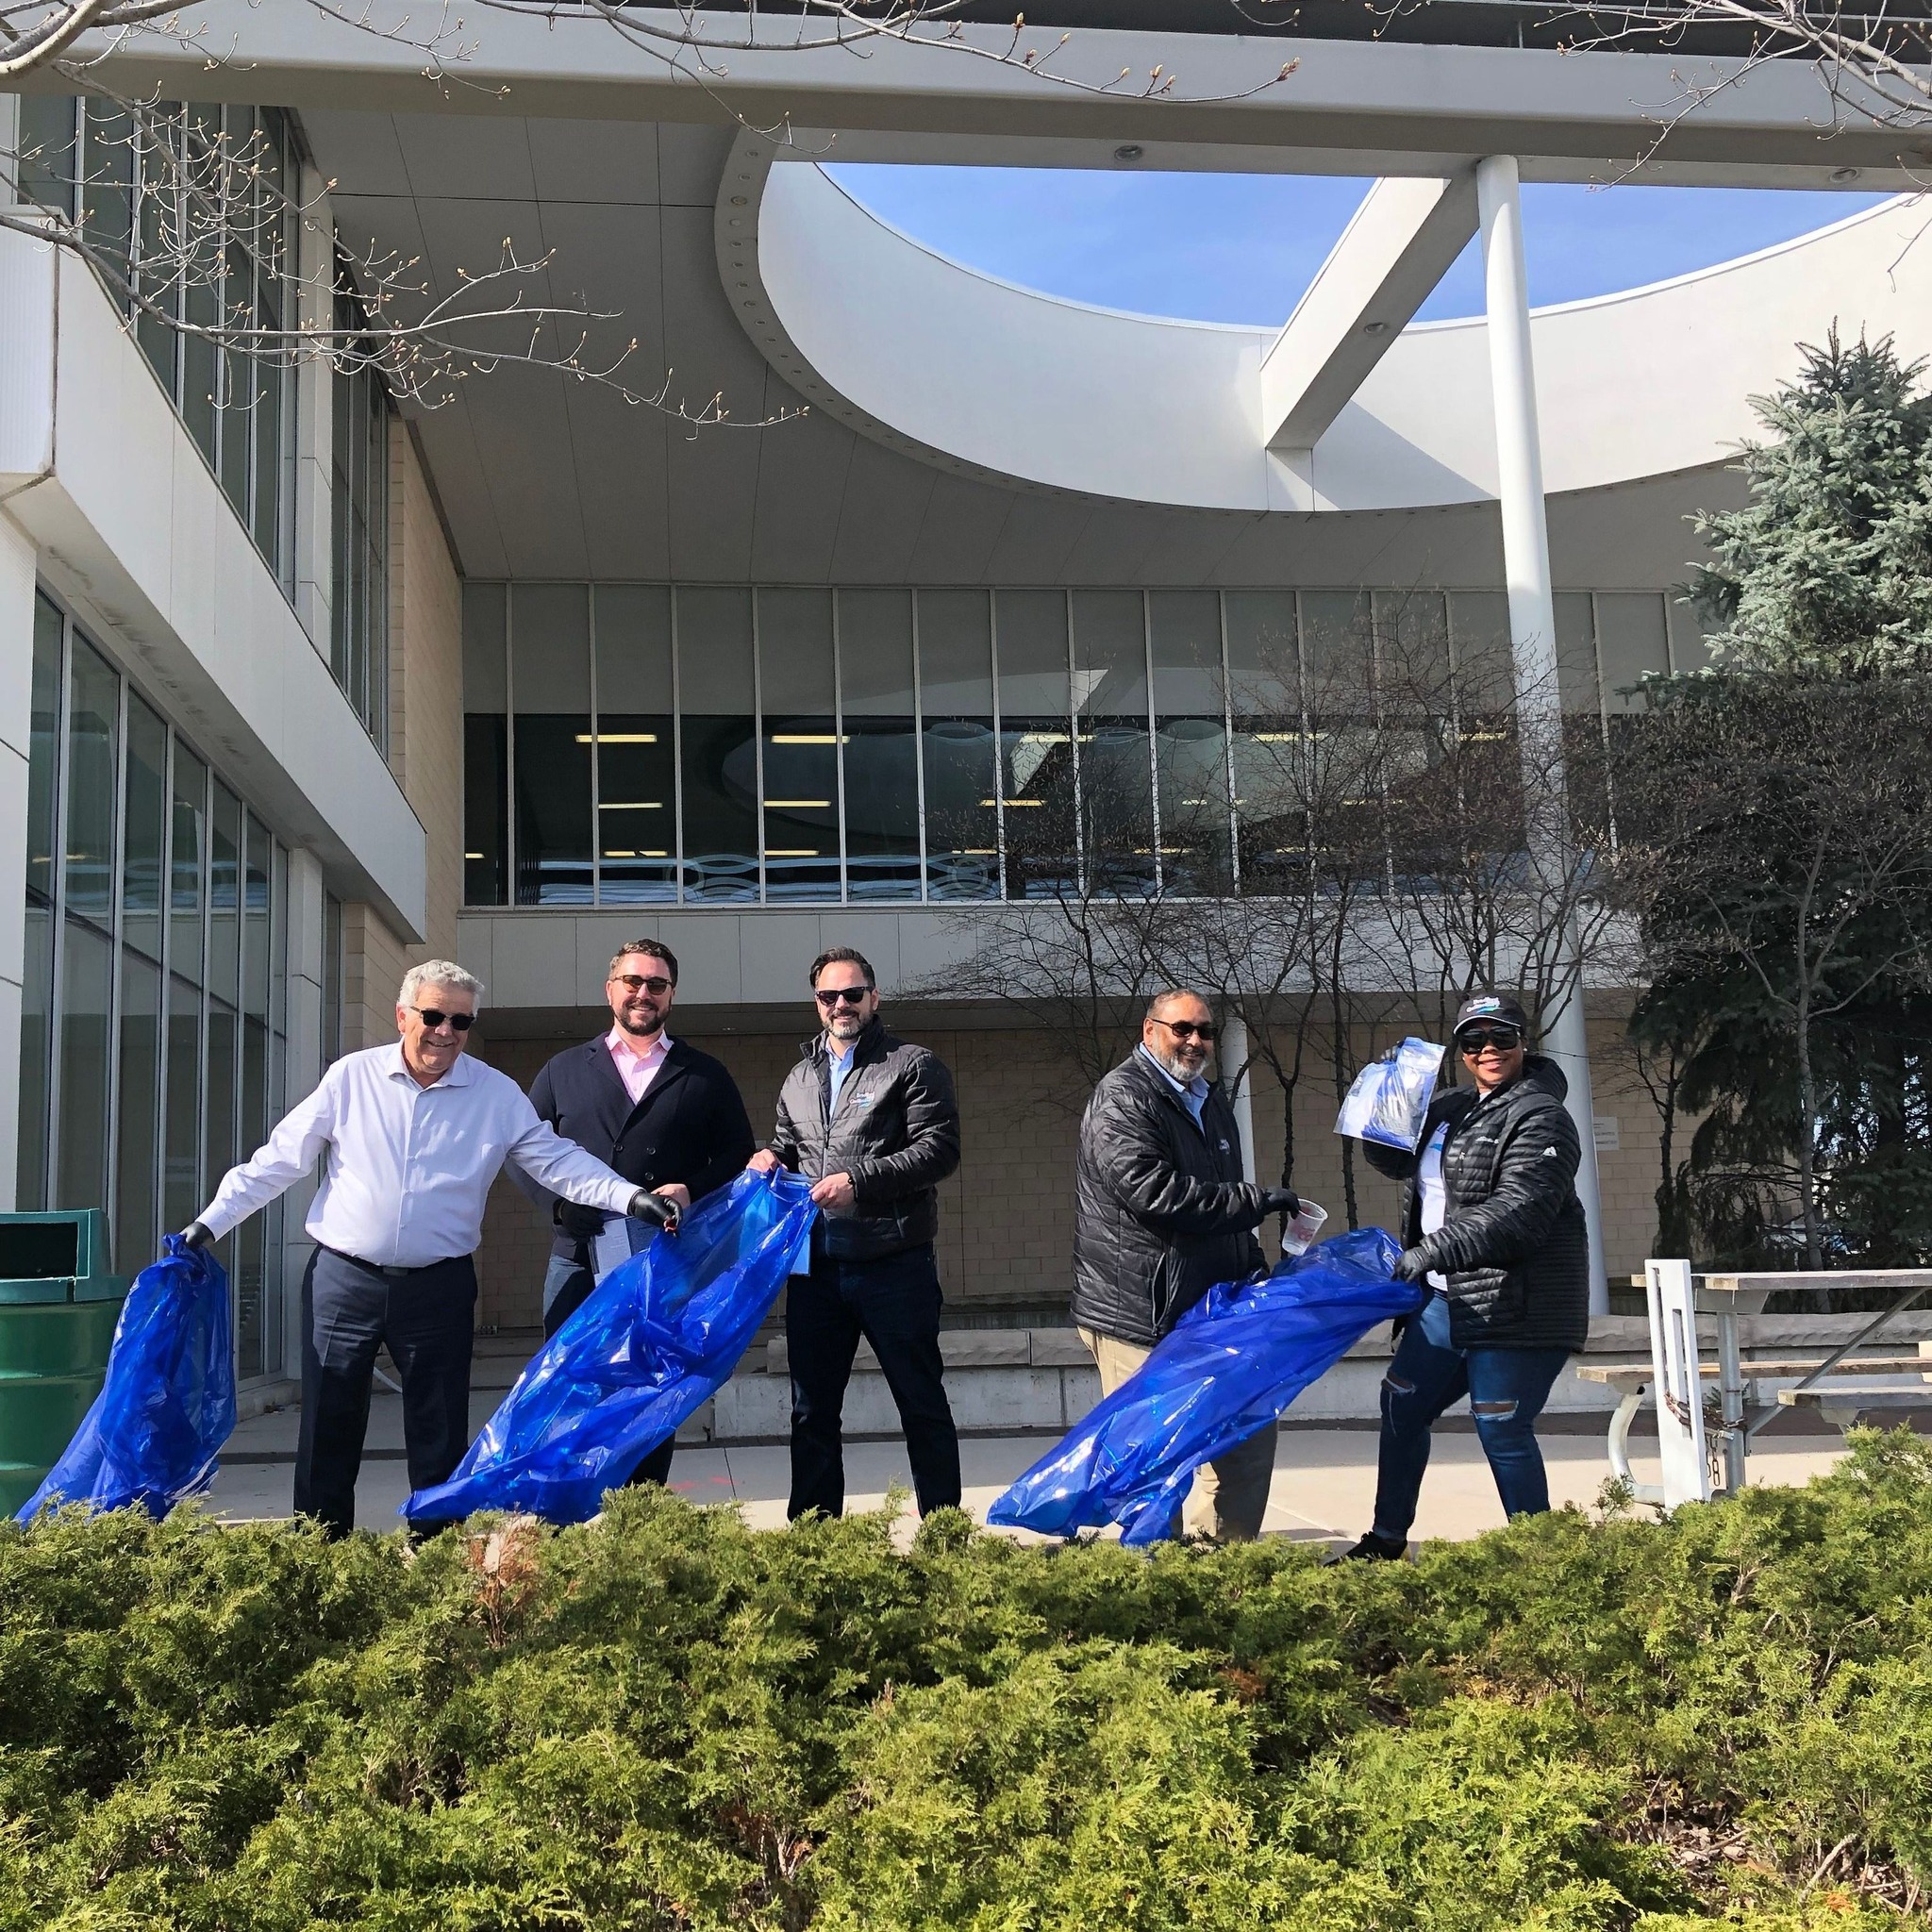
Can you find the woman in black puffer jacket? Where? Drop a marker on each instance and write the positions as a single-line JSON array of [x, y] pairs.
[[1493, 1223]]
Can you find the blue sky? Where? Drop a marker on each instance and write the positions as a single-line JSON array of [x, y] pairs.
[[1243, 247]]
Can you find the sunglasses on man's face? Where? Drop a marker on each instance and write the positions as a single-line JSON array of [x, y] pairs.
[[434, 1022], [653, 984], [1204, 1031], [1503, 1038], [851, 996]]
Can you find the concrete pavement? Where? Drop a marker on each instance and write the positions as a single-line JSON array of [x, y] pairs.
[[1325, 1478]]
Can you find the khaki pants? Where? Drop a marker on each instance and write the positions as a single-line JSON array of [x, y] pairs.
[[1229, 1496]]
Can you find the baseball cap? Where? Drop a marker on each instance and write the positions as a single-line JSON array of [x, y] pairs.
[[1499, 1008]]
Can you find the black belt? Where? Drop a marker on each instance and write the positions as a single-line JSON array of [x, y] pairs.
[[388, 1273]]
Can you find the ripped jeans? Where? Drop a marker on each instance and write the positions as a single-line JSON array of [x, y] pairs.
[[1506, 1390]]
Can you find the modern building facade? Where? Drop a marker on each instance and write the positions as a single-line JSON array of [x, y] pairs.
[[298, 685]]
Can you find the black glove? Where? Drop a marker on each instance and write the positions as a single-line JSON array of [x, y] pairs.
[[1412, 1264], [645, 1206], [194, 1237], [580, 1223], [1281, 1201]]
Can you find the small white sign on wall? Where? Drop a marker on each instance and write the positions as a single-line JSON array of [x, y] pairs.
[[1607, 1132]]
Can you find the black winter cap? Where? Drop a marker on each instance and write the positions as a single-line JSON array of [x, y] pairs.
[[1504, 1009]]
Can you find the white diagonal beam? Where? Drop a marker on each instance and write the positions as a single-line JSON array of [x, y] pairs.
[[1397, 246]]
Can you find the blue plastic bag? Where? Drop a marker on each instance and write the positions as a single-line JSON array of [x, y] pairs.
[[168, 1404], [1234, 1361], [653, 1341], [1390, 1099]]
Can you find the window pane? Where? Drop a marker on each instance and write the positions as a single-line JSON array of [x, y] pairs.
[[331, 978], [107, 213], [238, 397], [1270, 755], [136, 1114], [278, 944], [86, 985], [1036, 744], [550, 675], [1116, 768], [881, 749], [159, 224], [960, 749], [1632, 639], [47, 150], [250, 1248], [1576, 650], [37, 972], [181, 1196], [637, 767], [718, 746], [801, 745], [36, 1041], [268, 452], [94, 732], [224, 895], [217, 1117], [143, 829], [185, 858], [1190, 740], [486, 806], [1479, 642], [255, 943]]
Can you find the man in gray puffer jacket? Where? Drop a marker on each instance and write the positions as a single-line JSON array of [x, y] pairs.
[[1493, 1221], [871, 1122], [1162, 1214]]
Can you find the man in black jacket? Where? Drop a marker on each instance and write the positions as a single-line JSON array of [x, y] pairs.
[[1493, 1223], [871, 1122], [657, 1109], [1162, 1214]]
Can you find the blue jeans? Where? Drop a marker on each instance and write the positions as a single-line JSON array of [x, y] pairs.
[[567, 1285], [1506, 1390]]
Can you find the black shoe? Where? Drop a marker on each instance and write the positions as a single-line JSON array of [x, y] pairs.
[[1376, 1549]]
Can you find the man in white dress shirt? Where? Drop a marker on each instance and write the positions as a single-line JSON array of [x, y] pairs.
[[414, 1134]]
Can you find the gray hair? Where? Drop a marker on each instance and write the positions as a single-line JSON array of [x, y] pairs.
[[439, 973]]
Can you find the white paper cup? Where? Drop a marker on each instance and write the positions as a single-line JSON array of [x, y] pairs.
[[1302, 1229]]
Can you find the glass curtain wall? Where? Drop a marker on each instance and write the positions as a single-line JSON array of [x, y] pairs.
[[127, 177], [358, 512], [636, 743], [154, 1026]]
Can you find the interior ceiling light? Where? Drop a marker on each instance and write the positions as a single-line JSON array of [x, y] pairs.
[[630, 805], [808, 738], [618, 738], [798, 805]]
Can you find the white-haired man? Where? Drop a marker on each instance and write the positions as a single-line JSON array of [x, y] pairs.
[[414, 1134]]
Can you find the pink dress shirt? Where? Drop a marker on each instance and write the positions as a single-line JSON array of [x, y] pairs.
[[636, 1070]]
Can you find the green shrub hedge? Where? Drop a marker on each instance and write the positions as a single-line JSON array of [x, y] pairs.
[[666, 1720]]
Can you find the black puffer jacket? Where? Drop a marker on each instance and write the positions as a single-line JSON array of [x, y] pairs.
[[1512, 1244], [896, 1132], [1161, 1212]]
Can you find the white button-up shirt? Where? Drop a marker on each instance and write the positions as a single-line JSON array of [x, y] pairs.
[[409, 1166]]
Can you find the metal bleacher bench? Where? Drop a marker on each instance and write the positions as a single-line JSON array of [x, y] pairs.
[[1732, 1406]]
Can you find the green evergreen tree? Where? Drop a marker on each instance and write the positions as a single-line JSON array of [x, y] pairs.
[[1828, 568]]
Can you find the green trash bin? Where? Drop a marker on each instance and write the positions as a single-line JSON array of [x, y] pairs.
[[57, 1309]]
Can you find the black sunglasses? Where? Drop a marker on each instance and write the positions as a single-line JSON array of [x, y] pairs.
[[1505, 1039], [851, 996], [656, 985], [1190, 1029], [433, 1021]]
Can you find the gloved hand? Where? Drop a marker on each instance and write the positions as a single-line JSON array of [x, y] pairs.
[[645, 1206], [580, 1223], [1412, 1264], [1281, 1201], [194, 1237]]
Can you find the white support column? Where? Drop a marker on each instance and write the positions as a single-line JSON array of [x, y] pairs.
[[1533, 624], [1234, 1051], [17, 567]]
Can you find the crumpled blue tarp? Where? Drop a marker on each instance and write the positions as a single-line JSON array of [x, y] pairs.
[[168, 1404], [653, 1341], [1234, 1361]]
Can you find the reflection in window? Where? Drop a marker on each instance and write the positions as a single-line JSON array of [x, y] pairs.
[[637, 747], [960, 748], [799, 754], [550, 684], [1270, 752], [1190, 740], [718, 746], [1116, 774], [1038, 784], [879, 714], [153, 1034]]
